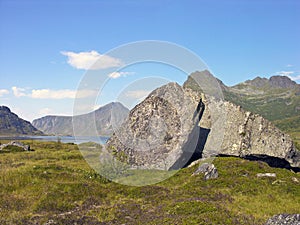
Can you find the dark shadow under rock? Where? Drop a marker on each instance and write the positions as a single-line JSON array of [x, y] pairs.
[[270, 160]]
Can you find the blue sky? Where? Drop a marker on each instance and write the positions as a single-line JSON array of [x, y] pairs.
[[43, 43]]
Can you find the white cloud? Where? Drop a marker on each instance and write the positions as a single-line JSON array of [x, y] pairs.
[[53, 94], [18, 92], [117, 74], [284, 73], [289, 65], [91, 60], [137, 94], [295, 78], [3, 92], [86, 93]]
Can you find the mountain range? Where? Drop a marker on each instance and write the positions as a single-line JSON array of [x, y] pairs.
[[276, 99], [106, 118]]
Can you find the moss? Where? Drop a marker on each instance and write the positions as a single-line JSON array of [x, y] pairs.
[[58, 184]]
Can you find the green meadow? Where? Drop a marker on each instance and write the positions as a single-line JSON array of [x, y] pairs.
[[54, 184]]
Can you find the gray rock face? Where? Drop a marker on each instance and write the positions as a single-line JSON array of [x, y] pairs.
[[250, 134], [105, 119], [284, 219], [282, 82], [163, 131], [209, 170]]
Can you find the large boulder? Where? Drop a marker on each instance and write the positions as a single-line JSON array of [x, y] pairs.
[[163, 131]]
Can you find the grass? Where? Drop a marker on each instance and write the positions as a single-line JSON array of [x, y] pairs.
[[54, 182]]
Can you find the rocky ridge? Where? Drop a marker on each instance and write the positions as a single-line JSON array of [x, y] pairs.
[[274, 82], [276, 99]]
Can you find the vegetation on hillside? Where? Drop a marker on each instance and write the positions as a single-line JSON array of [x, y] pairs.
[[269, 106], [54, 183]]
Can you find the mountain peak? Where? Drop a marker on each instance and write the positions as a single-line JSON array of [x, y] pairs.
[[257, 82], [4, 109], [282, 82], [273, 82], [11, 124]]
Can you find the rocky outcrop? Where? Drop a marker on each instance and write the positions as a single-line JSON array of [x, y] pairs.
[[17, 144], [106, 119], [248, 134], [163, 132], [11, 124], [208, 169], [281, 219]]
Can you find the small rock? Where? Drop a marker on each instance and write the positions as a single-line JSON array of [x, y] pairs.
[[49, 222], [278, 181], [294, 179], [266, 175], [281, 219], [209, 170]]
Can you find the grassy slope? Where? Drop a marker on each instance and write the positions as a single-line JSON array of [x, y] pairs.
[[271, 106], [55, 183]]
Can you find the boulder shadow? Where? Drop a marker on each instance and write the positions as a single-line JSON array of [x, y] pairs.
[[193, 148]]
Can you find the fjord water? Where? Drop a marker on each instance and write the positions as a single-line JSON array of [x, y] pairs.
[[64, 139]]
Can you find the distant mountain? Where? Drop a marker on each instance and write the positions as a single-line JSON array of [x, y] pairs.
[[276, 99], [274, 82], [11, 124], [107, 118]]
